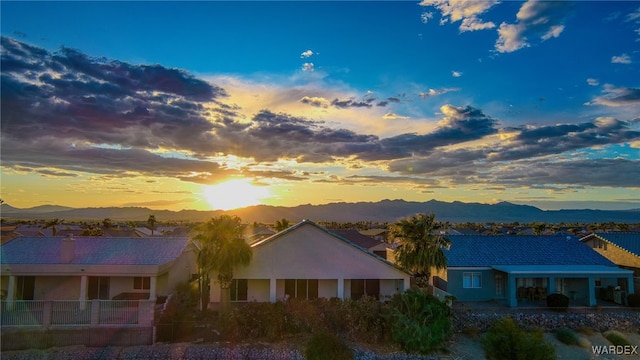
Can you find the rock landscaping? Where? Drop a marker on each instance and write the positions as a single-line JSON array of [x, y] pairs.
[[547, 321]]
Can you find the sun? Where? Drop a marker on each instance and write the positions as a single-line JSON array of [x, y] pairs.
[[233, 194]]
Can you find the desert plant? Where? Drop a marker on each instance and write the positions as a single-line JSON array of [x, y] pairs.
[[327, 346], [419, 323], [616, 338], [566, 336], [558, 302], [505, 340]]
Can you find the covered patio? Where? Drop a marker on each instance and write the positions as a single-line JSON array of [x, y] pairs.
[[527, 284]]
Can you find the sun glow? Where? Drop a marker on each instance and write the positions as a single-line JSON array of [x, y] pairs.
[[233, 194]]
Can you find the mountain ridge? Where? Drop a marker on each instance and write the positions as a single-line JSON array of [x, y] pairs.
[[380, 211]]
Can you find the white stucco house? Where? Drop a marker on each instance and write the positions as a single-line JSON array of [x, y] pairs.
[[309, 261], [86, 268]]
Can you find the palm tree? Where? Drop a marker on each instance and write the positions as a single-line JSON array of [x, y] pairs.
[[152, 222], [421, 246], [220, 248], [52, 224], [282, 225]]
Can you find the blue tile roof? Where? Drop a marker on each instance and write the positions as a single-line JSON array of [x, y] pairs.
[[94, 250], [486, 251], [626, 241]]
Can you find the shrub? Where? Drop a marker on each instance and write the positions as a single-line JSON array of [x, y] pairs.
[[255, 320], [419, 323], [558, 302], [633, 300], [178, 308], [327, 346], [616, 338], [566, 336], [505, 340]]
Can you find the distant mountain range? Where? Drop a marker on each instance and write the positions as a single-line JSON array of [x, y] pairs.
[[382, 211]]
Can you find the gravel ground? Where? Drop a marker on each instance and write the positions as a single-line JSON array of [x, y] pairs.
[[187, 351], [462, 348]]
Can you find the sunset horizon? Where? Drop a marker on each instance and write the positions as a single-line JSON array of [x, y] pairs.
[[224, 105]]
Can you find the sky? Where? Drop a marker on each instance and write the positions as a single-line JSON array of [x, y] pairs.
[[215, 105]]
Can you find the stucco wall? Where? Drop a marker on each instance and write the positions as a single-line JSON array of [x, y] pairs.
[[485, 293], [57, 288], [616, 254]]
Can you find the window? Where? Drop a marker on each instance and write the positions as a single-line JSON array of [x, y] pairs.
[[25, 286], [239, 289], [98, 287], [361, 287], [141, 283], [471, 280], [599, 244], [301, 288]]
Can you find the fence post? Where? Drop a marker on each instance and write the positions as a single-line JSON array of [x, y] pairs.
[[47, 314], [95, 312]]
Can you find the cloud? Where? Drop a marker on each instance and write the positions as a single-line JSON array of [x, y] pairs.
[[456, 74], [392, 116], [343, 104], [65, 113], [593, 82], [622, 59], [308, 67], [467, 12], [306, 54], [315, 101], [617, 97], [535, 20], [436, 92]]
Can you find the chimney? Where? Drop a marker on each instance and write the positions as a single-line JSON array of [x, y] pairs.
[[68, 250]]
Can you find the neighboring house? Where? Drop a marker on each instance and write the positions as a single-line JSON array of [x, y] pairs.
[[621, 248], [86, 268], [374, 245], [522, 269], [309, 261], [377, 234]]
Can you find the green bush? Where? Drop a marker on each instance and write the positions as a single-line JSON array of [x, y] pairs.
[[616, 338], [558, 302], [255, 320], [178, 309], [566, 336], [327, 346], [633, 300], [419, 323], [505, 340]]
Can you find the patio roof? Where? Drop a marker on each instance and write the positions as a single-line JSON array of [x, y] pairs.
[[562, 270]]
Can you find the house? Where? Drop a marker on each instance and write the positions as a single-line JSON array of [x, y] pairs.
[[372, 244], [521, 269], [85, 268], [309, 261], [622, 248]]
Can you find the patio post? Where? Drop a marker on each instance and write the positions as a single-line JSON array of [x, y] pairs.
[[272, 290], [511, 281], [152, 288], [592, 291], [341, 288], [83, 292], [551, 286], [630, 285], [11, 292]]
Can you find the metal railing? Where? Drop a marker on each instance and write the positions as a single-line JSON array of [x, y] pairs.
[[70, 313], [118, 312], [48, 313]]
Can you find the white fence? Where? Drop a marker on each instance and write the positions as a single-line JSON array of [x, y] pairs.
[[43, 313]]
